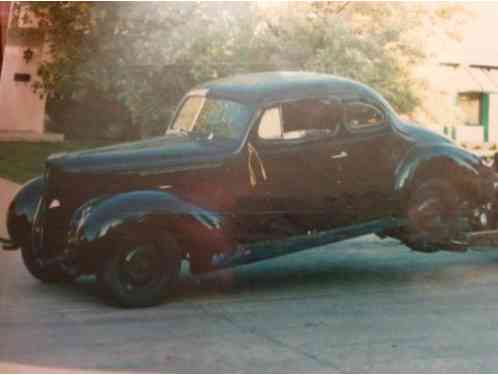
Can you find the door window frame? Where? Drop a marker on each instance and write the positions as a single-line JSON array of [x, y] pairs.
[[296, 141]]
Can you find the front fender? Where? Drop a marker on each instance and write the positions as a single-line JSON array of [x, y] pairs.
[[145, 214], [22, 209], [445, 161]]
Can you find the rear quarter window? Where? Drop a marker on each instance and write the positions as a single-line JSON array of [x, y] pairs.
[[360, 116]]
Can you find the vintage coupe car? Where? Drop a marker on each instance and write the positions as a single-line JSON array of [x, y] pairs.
[[251, 167]]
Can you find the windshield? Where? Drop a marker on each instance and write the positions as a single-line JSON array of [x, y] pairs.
[[211, 118]]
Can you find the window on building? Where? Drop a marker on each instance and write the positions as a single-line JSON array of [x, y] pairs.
[[470, 104]]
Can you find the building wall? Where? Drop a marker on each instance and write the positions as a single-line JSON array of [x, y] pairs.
[[4, 20], [468, 63], [441, 105], [20, 108], [470, 135]]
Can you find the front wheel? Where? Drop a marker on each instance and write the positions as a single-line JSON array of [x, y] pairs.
[[47, 274], [141, 273]]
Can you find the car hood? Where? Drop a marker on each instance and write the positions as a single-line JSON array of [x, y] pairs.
[[421, 135], [171, 152]]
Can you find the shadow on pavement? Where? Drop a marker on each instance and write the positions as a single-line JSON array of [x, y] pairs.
[[315, 272]]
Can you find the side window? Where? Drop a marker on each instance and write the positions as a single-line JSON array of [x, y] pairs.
[[303, 119], [362, 116], [270, 126]]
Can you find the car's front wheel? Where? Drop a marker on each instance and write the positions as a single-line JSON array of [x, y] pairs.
[[48, 274], [140, 273]]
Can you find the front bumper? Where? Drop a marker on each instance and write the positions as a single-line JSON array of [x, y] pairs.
[[37, 230], [7, 244]]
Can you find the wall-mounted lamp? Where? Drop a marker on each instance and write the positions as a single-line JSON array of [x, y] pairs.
[[28, 55]]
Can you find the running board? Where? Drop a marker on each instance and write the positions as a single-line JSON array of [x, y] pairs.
[[482, 238], [270, 249]]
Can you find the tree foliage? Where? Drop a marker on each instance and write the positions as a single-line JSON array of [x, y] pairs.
[[146, 55]]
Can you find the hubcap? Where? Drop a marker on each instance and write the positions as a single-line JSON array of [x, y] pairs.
[[140, 267], [435, 219], [428, 215]]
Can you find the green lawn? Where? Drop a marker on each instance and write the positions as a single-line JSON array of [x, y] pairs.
[[21, 161]]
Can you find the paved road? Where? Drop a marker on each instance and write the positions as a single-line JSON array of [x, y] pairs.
[[363, 305]]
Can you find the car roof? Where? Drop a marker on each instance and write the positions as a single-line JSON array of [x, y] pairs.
[[268, 87]]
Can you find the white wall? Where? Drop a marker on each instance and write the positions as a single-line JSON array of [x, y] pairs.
[[471, 135], [20, 108]]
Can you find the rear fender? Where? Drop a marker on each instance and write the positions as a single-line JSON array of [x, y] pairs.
[[96, 225], [446, 162]]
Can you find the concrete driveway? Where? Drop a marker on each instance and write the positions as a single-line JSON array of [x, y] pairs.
[[363, 305]]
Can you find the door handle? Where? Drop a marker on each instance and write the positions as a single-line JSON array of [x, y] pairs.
[[340, 155]]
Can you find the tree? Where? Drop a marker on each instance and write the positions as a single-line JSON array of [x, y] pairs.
[[113, 51], [146, 55], [375, 43]]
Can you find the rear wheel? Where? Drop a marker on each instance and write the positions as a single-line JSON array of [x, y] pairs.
[[200, 263], [141, 273], [47, 274], [436, 217]]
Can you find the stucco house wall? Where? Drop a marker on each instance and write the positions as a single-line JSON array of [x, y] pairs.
[[20, 108], [461, 66]]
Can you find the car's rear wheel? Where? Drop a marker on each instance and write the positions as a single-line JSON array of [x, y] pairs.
[[47, 274], [200, 263], [436, 217], [140, 273]]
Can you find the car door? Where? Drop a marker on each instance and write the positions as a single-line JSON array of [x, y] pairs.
[[368, 159], [290, 178]]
